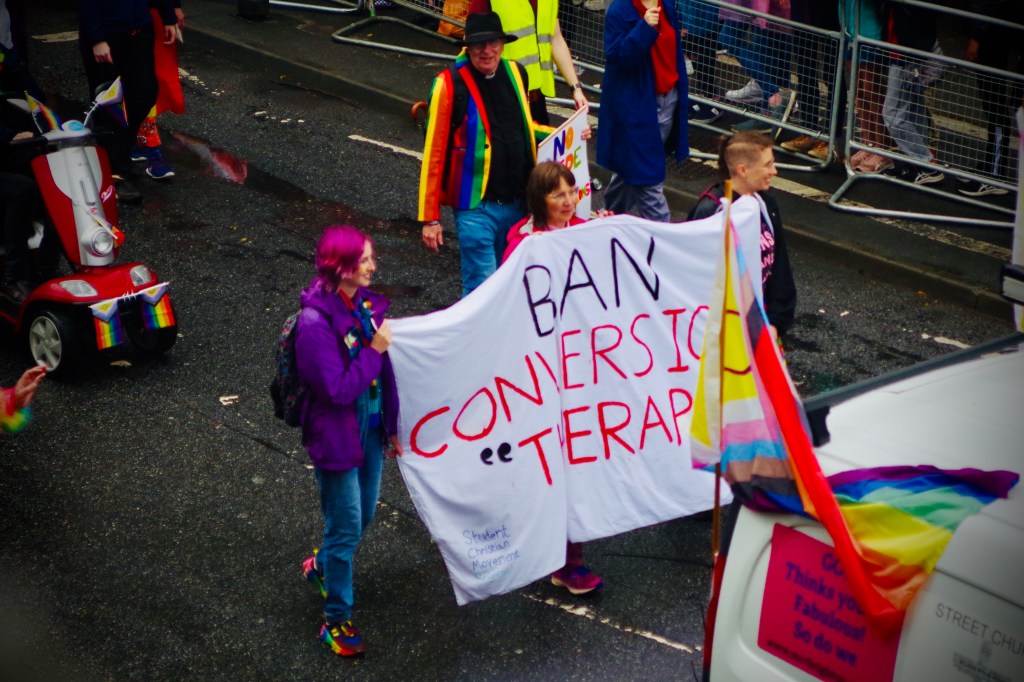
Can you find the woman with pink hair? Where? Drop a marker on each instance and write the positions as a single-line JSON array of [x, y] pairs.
[[350, 411]]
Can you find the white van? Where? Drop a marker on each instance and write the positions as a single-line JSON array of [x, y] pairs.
[[784, 611]]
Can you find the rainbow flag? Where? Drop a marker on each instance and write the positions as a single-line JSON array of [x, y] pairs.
[[157, 312], [109, 332], [42, 115], [112, 99], [889, 525]]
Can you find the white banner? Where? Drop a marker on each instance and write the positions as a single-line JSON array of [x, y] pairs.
[[554, 402], [567, 147]]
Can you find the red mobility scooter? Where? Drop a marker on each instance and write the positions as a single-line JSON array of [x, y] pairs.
[[67, 320]]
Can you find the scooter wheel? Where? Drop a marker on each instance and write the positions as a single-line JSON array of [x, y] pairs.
[[51, 341]]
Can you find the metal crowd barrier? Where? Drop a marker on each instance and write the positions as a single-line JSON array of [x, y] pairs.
[[432, 8], [731, 48], [335, 7], [450, 13], [730, 45], [937, 111]]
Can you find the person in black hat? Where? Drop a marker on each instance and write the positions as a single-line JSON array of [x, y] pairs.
[[481, 146]]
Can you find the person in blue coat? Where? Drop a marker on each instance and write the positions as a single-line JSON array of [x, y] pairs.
[[643, 105]]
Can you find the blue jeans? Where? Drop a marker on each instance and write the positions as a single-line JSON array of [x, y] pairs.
[[905, 113], [763, 54], [348, 500], [482, 231]]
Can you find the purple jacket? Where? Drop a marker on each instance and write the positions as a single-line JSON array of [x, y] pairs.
[[330, 428]]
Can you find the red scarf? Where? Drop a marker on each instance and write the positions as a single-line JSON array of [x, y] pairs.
[[663, 54]]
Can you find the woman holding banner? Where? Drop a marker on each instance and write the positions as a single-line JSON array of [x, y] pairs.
[[350, 410], [551, 198], [746, 158]]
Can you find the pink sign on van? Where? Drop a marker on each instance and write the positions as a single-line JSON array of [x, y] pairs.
[[810, 619]]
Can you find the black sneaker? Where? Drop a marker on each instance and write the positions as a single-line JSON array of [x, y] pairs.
[[702, 113], [127, 192], [980, 189], [753, 126], [900, 171], [918, 176]]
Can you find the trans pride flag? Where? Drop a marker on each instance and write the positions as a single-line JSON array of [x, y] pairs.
[[889, 525], [157, 313], [109, 332], [112, 100]]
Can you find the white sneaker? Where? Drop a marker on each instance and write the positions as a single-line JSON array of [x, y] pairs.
[[748, 93], [980, 189]]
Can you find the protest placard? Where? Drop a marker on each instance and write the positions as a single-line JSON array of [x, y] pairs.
[[567, 147], [553, 402]]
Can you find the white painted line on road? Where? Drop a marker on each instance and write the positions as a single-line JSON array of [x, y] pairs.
[[584, 612], [946, 341], [63, 37], [389, 147], [796, 188]]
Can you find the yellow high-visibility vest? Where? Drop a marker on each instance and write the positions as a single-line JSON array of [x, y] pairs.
[[533, 47]]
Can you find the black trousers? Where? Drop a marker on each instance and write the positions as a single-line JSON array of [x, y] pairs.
[[133, 62], [999, 98], [18, 201]]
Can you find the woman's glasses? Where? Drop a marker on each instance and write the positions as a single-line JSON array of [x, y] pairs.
[[565, 195]]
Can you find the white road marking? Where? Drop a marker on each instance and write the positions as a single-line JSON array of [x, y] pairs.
[[584, 612], [951, 342], [946, 341], [63, 37], [389, 147]]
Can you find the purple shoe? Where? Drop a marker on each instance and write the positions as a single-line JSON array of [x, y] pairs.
[[312, 573], [579, 580]]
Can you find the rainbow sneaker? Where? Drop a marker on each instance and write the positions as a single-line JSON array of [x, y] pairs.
[[312, 573], [579, 580], [343, 638]]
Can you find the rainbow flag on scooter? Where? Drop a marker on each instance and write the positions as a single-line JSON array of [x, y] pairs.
[[42, 115], [112, 100], [157, 312], [109, 332]]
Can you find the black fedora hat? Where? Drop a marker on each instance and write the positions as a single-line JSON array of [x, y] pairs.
[[484, 27]]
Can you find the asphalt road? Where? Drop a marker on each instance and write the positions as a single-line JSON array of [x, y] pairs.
[[152, 526]]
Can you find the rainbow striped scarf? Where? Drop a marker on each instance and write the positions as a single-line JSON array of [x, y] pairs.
[[889, 525]]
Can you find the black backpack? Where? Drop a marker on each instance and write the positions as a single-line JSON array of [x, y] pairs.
[[285, 391], [460, 103]]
